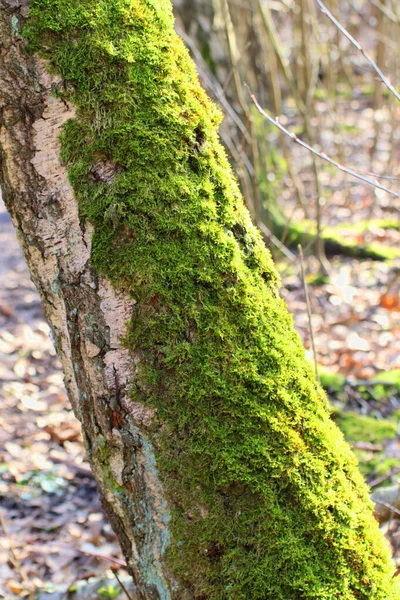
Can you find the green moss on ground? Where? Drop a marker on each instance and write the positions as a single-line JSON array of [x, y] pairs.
[[383, 384], [332, 381], [360, 428], [366, 429], [265, 495], [388, 377], [303, 232]]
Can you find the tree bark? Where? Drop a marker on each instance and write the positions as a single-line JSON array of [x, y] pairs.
[[217, 462]]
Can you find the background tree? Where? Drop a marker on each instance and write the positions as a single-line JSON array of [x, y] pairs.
[[217, 462]]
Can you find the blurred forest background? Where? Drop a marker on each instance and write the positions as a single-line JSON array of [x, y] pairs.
[[299, 66]]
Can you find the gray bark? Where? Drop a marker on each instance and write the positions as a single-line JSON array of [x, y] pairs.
[[87, 316]]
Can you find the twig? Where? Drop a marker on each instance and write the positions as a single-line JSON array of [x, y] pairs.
[[110, 559], [389, 506], [303, 277], [392, 281], [385, 10], [369, 448], [322, 155], [269, 26], [268, 234], [15, 558], [121, 563], [121, 584], [382, 478], [270, 51], [212, 83], [377, 70], [369, 382], [388, 177], [234, 57]]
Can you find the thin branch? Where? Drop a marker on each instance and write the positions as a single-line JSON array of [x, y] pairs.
[[387, 505], [388, 177], [268, 234], [116, 561], [271, 32], [385, 10], [303, 277], [15, 558], [212, 83], [322, 155], [377, 70], [127, 594], [383, 477]]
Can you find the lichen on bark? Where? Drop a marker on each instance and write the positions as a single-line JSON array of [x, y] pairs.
[[265, 497]]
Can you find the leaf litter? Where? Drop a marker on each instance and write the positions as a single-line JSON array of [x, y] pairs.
[[49, 501]]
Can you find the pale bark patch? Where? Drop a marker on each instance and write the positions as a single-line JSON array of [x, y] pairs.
[[60, 229], [117, 310], [87, 315]]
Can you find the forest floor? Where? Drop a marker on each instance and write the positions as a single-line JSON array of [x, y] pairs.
[[356, 314], [56, 531], [58, 543]]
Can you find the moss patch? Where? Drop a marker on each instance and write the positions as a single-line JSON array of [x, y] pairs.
[[338, 239], [332, 381], [265, 495], [360, 428], [388, 377], [382, 385]]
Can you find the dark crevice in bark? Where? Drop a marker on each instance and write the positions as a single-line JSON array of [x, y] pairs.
[[33, 204]]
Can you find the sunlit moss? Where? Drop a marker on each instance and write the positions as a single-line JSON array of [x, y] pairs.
[[360, 428], [342, 238], [265, 496], [389, 378]]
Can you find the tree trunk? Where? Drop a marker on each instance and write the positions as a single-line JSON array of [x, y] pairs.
[[217, 462]]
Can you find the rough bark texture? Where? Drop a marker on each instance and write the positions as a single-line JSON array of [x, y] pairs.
[[218, 465], [88, 317]]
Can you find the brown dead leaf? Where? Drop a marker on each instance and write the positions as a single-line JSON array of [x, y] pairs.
[[15, 586], [7, 310], [390, 301], [62, 434]]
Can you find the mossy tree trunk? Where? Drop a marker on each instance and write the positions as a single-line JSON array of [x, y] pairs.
[[218, 465]]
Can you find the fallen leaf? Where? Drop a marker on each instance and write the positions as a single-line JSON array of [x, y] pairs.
[[390, 301]]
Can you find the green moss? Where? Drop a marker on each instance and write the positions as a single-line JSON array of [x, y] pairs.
[[332, 381], [350, 128], [265, 495], [382, 384], [360, 428], [303, 232], [102, 454], [389, 377], [385, 466], [317, 279]]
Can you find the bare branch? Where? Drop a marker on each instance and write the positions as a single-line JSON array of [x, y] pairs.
[[305, 287], [389, 506], [322, 155], [269, 235], [385, 10], [377, 70], [127, 594]]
